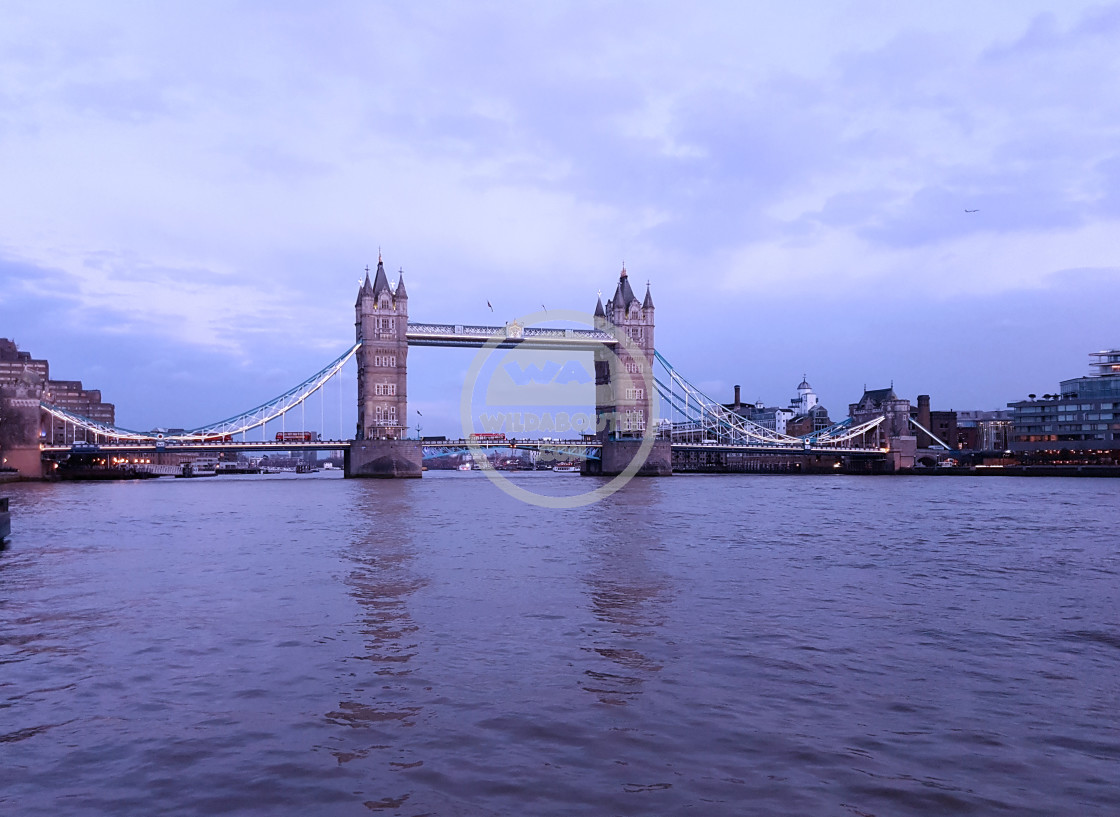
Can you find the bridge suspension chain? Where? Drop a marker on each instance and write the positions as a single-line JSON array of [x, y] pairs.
[[711, 419], [842, 432], [246, 421]]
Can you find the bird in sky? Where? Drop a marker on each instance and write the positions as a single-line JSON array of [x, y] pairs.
[[420, 412], [491, 307], [972, 211], [545, 308]]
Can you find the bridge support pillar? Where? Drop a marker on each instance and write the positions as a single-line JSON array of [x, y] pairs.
[[903, 453], [384, 459], [618, 454]]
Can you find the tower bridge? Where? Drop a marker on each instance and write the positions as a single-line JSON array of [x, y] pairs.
[[632, 380]]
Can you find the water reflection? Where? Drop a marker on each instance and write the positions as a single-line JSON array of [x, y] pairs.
[[382, 580], [627, 595]]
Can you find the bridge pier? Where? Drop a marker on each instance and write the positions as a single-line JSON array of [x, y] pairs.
[[384, 459], [616, 455], [903, 453]]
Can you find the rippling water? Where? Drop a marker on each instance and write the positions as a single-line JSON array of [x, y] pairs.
[[694, 645]]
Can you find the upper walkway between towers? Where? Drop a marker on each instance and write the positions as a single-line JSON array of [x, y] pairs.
[[512, 335]]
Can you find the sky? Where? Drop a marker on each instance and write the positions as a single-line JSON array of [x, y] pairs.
[[190, 192]]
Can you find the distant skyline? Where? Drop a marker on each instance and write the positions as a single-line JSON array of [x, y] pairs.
[[859, 192]]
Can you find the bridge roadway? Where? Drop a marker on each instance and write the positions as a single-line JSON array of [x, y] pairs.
[[171, 447], [564, 446]]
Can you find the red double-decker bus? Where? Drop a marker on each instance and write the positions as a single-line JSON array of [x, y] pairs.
[[297, 436], [487, 437]]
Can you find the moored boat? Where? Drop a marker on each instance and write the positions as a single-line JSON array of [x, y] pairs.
[[200, 468]]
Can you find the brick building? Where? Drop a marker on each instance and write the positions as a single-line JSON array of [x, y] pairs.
[[24, 383]]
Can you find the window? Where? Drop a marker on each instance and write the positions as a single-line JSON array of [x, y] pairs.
[[635, 394], [634, 420]]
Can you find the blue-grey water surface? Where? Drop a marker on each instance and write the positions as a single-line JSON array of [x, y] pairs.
[[712, 645]]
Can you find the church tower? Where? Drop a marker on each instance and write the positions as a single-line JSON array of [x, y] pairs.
[[381, 325]]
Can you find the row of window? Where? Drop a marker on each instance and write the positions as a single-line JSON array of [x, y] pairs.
[[1066, 407], [384, 360], [1047, 438], [634, 367], [385, 415], [385, 389], [635, 394], [634, 420], [1052, 427]]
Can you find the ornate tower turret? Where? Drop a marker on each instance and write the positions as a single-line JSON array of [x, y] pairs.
[[623, 398], [381, 326], [631, 402]]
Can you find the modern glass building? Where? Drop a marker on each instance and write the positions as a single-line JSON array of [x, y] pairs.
[[1082, 422]]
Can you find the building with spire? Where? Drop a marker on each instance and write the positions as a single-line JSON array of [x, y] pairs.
[[809, 416], [804, 415], [381, 326]]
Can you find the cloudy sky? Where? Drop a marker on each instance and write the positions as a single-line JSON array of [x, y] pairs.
[[189, 192]]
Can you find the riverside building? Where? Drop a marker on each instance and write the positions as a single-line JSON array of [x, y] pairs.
[[1080, 424], [24, 383]]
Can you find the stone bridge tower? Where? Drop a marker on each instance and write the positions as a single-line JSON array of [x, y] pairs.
[[381, 324], [626, 402], [623, 399]]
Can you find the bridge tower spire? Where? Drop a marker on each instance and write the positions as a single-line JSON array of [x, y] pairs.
[[623, 401], [630, 402], [381, 326]]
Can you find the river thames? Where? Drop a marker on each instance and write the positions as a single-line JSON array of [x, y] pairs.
[[709, 645]]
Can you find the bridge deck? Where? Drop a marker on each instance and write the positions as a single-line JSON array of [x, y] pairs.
[[196, 448], [339, 445]]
